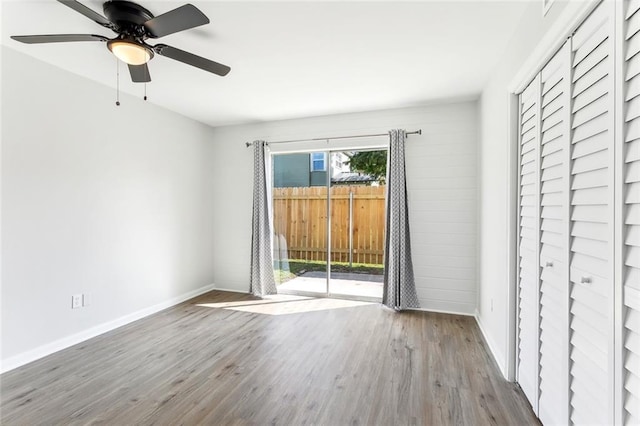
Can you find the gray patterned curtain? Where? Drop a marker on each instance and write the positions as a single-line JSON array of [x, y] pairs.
[[399, 284], [262, 279]]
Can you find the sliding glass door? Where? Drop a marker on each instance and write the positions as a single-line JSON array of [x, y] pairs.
[[328, 216], [300, 223], [357, 205]]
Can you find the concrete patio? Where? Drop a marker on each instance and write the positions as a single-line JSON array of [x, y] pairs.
[[367, 286]]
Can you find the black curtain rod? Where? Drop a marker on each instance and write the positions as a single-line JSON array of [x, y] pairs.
[[415, 132]]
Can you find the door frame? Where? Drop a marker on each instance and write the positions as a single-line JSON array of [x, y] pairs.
[[329, 166]]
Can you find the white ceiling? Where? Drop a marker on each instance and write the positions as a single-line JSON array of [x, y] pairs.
[[293, 59]]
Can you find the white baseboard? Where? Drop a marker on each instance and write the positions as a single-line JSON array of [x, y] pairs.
[[60, 344], [230, 290], [443, 311], [492, 349]]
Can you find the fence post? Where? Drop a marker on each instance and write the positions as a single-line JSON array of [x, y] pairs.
[[350, 229]]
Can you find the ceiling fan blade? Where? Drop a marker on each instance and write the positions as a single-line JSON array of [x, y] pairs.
[[191, 59], [89, 13], [139, 73], [58, 38], [180, 19]]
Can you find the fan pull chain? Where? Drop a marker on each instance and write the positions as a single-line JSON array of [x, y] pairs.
[[117, 82], [145, 91]]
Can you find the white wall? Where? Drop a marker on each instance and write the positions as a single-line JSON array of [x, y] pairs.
[[442, 189], [97, 199], [529, 44]]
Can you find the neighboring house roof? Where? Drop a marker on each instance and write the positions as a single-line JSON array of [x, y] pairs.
[[352, 177]]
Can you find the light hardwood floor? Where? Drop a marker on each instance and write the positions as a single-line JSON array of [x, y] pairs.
[[198, 363]]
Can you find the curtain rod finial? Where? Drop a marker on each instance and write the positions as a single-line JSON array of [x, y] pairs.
[[249, 144]]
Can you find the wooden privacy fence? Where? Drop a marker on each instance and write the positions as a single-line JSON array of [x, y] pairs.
[[357, 223]]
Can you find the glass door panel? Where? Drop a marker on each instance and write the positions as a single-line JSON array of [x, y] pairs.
[[357, 205], [300, 223]]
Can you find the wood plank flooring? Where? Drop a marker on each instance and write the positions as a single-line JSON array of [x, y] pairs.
[[199, 364]]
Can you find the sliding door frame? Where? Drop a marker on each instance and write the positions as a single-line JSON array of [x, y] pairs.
[[329, 168], [327, 183]]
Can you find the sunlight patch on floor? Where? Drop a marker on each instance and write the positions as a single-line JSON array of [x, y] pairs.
[[277, 298], [283, 304]]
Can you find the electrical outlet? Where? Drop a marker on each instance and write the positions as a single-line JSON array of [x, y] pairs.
[[76, 301], [86, 300]]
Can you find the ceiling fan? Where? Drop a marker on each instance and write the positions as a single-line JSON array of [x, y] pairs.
[[133, 25]]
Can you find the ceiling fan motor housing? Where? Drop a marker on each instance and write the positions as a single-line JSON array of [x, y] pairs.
[[129, 17]]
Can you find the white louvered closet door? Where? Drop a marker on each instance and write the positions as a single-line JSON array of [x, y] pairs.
[[630, 255], [591, 243], [528, 288], [554, 239]]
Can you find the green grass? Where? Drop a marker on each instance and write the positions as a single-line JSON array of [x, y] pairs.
[[283, 276], [299, 267]]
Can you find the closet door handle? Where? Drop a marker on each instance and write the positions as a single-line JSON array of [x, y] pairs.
[[548, 264], [585, 280]]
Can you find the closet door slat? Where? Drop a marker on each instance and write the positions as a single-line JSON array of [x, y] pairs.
[[555, 78], [529, 237], [591, 262], [631, 214]]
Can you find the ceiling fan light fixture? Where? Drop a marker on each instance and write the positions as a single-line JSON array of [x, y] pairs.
[[130, 52], [133, 25]]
